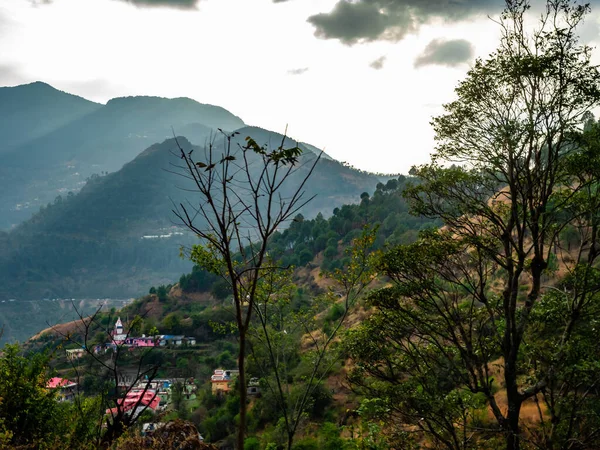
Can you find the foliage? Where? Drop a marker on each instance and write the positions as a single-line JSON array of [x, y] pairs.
[[291, 376], [29, 412], [455, 333]]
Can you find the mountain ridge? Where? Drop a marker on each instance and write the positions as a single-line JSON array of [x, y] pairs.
[[98, 138]]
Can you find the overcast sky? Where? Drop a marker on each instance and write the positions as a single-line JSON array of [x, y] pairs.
[[359, 78]]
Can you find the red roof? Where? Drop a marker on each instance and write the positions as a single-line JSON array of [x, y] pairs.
[[57, 382], [134, 398]]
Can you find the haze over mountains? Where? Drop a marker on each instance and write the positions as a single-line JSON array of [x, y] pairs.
[[54, 145], [114, 236]]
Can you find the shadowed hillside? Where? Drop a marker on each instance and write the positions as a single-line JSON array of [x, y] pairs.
[[117, 235]]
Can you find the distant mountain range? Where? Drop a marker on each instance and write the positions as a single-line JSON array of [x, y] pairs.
[[115, 235], [54, 141]]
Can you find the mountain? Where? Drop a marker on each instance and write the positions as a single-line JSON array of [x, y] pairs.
[[64, 150], [117, 236], [33, 110]]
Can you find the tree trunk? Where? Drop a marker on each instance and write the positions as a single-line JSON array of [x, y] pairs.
[[514, 409], [512, 434], [242, 386]]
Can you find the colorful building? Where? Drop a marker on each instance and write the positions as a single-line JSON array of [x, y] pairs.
[[118, 334], [66, 388], [135, 402], [222, 381]]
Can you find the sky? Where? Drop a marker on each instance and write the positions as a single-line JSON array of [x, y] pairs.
[[360, 79]]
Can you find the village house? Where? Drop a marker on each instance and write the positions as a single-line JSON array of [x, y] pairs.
[[143, 341], [222, 381], [175, 340], [75, 353], [66, 389], [253, 387], [135, 402]]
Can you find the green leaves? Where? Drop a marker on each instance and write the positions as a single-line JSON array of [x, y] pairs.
[[208, 258], [280, 155]]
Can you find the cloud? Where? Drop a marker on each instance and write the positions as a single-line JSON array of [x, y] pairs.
[[371, 20], [298, 71], [5, 23], [10, 75], [378, 63], [446, 53], [179, 4], [589, 31]]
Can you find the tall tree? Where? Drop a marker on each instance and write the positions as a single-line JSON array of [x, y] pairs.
[[241, 202], [507, 178]]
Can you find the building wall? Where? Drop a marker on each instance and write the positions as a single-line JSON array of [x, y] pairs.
[[222, 386]]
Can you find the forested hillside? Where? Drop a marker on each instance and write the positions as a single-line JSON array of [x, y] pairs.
[[118, 235]]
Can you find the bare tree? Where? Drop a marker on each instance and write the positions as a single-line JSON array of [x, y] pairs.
[[116, 376], [245, 192]]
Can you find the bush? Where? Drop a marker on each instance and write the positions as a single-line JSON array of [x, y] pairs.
[[335, 312], [252, 443], [306, 444]]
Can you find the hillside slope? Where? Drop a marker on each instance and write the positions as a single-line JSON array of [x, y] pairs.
[[117, 236]]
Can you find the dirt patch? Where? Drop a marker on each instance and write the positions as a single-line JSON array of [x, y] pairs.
[[63, 329]]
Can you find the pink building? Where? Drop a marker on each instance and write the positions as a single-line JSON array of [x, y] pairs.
[[140, 341]]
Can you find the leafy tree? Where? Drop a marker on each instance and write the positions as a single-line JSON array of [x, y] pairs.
[[508, 176], [162, 292], [29, 412]]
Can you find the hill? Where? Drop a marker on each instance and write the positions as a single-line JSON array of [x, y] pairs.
[[36, 109], [71, 139], [117, 236], [195, 305]]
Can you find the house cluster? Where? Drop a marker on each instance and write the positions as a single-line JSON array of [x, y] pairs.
[[66, 389], [74, 353], [152, 395], [120, 338]]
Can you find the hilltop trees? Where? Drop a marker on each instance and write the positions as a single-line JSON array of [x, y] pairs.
[[471, 322]]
